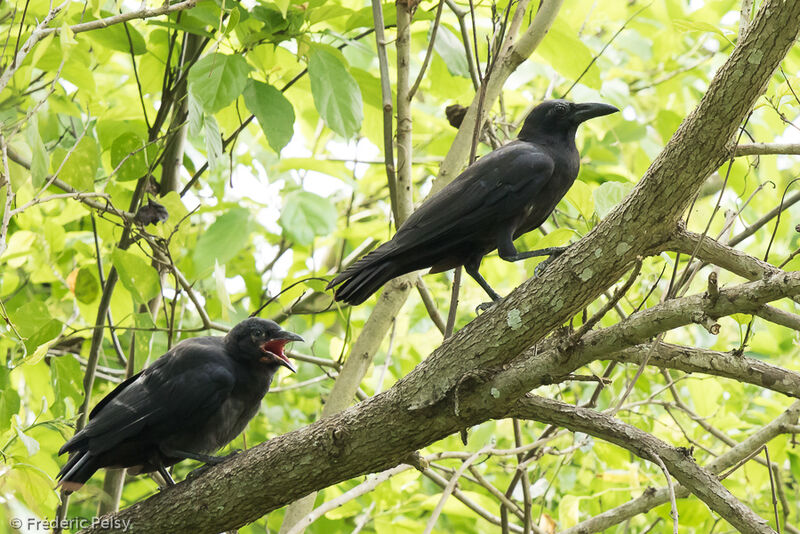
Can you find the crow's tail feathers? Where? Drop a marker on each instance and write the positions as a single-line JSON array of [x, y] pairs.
[[78, 469], [364, 277]]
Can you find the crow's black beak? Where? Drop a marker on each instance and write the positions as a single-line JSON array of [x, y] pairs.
[[291, 336], [590, 110], [284, 361]]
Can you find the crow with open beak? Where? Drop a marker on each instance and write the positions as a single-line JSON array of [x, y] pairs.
[[189, 403]]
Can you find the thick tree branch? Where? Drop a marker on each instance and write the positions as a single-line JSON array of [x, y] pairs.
[[655, 497], [711, 362], [679, 462]]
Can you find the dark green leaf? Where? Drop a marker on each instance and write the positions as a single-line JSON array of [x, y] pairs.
[[87, 286], [273, 111], [128, 149]]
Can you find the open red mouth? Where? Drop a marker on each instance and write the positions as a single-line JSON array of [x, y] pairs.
[[273, 350]]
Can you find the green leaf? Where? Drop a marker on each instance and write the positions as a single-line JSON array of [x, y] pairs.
[[564, 51], [336, 94], [129, 154], [794, 463], [699, 26], [40, 160], [274, 112], [36, 325], [213, 141], [556, 238], [66, 377], [706, 396], [451, 50], [233, 20], [217, 80], [222, 291], [195, 116], [569, 511], [80, 168], [283, 5], [137, 275], [306, 215], [31, 445], [116, 37], [87, 286], [608, 195], [222, 241], [580, 196], [9, 400]]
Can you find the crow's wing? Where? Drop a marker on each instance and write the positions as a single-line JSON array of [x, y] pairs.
[[180, 390], [500, 185]]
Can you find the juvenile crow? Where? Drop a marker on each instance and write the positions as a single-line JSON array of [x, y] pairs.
[[189, 403], [503, 195]]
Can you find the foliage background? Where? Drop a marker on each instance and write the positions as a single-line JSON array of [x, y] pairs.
[[296, 191]]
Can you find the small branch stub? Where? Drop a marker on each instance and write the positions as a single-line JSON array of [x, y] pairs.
[[707, 322]]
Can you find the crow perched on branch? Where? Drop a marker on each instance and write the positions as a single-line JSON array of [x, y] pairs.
[[503, 195], [191, 402]]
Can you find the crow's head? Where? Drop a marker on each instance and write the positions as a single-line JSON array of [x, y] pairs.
[[261, 340], [560, 118]]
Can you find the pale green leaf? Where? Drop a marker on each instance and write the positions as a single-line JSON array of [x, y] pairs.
[[336, 94], [306, 215], [137, 275], [217, 80], [580, 196], [39, 157], [451, 50], [222, 241], [213, 140], [608, 195]]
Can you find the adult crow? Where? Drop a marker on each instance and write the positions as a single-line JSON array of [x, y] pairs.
[[191, 402], [503, 195]]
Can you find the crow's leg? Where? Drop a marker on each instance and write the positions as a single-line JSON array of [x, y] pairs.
[[165, 475], [509, 252], [472, 267]]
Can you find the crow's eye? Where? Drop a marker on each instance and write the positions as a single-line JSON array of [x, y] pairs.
[[561, 108], [258, 333]]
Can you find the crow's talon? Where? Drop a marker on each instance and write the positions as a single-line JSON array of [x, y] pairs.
[[540, 269], [483, 307], [194, 473]]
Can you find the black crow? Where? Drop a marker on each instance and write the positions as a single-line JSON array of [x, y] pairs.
[[504, 194], [189, 403]]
